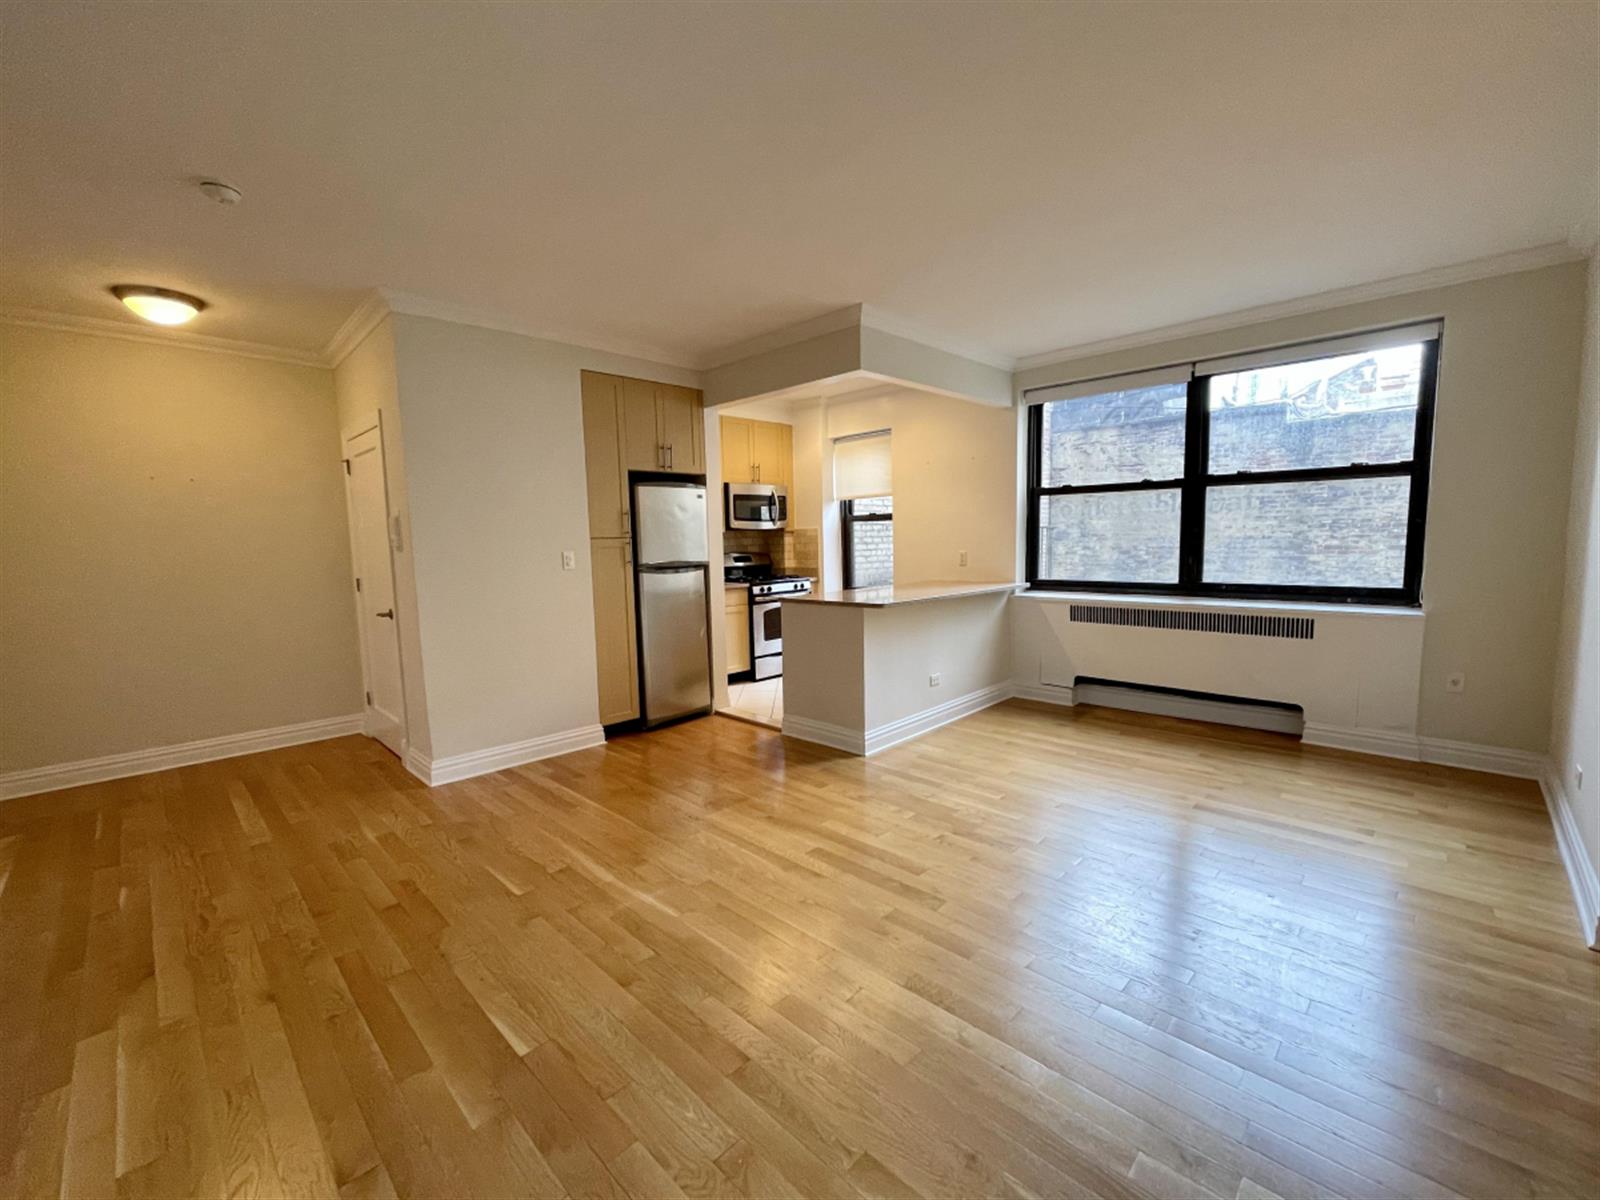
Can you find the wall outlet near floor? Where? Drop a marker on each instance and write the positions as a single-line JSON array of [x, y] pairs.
[[569, 560], [1577, 773], [1456, 683], [935, 679], [963, 558]]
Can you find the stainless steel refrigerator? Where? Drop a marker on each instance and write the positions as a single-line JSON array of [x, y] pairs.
[[671, 580]]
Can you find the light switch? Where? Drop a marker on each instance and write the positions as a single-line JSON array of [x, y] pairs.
[[569, 560]]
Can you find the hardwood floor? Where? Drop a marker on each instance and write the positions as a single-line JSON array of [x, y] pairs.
[[1046, 952]]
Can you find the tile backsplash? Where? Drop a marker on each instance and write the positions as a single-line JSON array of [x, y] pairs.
[[793, 551]]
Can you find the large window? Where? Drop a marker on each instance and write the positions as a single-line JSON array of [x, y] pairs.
[[1299, 473]]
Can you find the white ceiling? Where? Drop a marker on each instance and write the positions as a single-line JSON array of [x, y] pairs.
[[675, 178]]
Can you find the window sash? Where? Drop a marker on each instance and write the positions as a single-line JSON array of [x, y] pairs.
[[1197, 480]]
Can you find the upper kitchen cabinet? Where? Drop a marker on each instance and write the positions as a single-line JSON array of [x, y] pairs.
[[757, 451], [678, 417], [662, 428], [603, 452]]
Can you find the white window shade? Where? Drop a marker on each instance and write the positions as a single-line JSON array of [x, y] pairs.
[[862, 466], [1358, 343], [1109, 383]]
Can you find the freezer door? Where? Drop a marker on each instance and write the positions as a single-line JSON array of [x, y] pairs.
[[671, 522], [675, 643]]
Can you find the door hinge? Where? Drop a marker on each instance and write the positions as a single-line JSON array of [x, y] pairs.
[[358, 583], [346, 462], [369, 699]]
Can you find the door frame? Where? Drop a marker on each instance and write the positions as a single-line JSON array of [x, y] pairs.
[[346, 436]]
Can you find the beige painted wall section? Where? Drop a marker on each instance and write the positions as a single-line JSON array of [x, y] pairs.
[[955, 470], [365, 385], [966, 641], [174, 562], [496, 491], [1502, 467], [1576, 740]]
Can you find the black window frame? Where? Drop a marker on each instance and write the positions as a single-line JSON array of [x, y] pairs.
[[846, 541], [1197, 480]]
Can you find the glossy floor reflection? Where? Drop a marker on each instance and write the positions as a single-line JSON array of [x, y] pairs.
[[1036, 952]]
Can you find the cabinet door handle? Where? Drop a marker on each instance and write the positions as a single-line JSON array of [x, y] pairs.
[[669, 456], [387, 613], [661, 455]]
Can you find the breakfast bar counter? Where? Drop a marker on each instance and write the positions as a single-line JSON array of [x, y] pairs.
[[904, 593], [867, 668]]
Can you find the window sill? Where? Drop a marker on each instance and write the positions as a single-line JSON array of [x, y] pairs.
[[1224, 604]]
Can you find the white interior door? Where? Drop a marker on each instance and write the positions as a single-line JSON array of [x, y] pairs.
[[369, 541]]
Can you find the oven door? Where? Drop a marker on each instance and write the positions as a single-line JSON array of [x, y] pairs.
[[766, 628]]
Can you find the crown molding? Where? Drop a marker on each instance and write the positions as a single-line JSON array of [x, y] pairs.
[[414, 305], [1552, 254], [171, 338], [363, 319]]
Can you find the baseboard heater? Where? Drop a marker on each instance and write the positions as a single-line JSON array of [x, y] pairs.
[[1272, 715]]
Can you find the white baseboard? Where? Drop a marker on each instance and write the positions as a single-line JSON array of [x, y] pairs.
[[1383, 742], [903, 730], [823, 734], [164, 758], [1045, 693], [1472, 756], [1191, 708], [893, 733], [1574, 857], [436, 771], [1497, 760]]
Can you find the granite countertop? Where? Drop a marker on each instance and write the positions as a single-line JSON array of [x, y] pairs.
[[904, 593]]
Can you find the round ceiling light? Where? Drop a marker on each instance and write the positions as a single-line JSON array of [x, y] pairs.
[[160, 305]]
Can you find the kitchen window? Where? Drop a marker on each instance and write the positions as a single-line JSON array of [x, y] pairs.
[[1298, 473], [866, 529]]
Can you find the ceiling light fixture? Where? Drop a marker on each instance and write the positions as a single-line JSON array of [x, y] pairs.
[[160, 305], [222, 193]]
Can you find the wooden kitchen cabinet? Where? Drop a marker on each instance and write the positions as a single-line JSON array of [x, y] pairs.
[[736, 610], [662, 428], [616, 648], [757, 451], [603, 453], [681, 429], [736, 460], [628, 425]]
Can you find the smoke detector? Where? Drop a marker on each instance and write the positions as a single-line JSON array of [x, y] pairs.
[[222, 193]]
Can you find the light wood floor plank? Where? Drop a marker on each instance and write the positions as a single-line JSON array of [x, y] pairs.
[[1037, 952]]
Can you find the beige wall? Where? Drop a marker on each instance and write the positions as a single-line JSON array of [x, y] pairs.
[[955, 469], [366, 388], [174, 563], [1502, 467], [495, 474], [1576, 740]]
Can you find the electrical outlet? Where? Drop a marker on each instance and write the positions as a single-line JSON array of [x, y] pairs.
[[1577, 770], [1456, 683], [963, 558], [569, 560], [935, 679]]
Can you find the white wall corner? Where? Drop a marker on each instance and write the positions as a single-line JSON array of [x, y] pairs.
[[1045, 693], [455, 767], [363, 319], [164, 758], [1574, 855]]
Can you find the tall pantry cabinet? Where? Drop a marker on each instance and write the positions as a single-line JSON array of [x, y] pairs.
[[638, 425]]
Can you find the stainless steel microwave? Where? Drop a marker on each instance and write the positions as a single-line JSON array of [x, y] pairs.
[[756, 505]]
